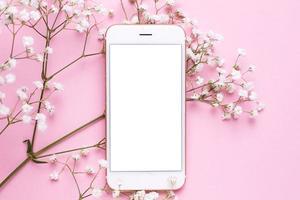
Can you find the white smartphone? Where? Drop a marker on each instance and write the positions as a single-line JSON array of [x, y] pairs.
[[145, 106]]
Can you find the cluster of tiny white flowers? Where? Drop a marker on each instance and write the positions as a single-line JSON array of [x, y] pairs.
[[95, 191], [82, 13], [142, 195], [27, 111], [54, 176], [103, 163], [225, 84], [200, 55]]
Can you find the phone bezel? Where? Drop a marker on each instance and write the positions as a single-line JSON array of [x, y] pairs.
[[145, 34]]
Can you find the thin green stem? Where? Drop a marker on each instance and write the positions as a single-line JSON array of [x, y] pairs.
[[69, 134], [98, 145], [20, 166]]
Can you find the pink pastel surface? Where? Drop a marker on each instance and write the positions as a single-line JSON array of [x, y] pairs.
[[237, 160]]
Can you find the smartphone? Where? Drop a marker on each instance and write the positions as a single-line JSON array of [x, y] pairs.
[[145, 106]]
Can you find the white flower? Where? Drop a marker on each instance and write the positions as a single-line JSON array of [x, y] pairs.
[[21, 93], [35, 15], [218, 37], [214, 36], [83, 25], [235, 74], [4, 110], [220, 62], [11, 10], [49, 107], [241, 52], [24, 16], [195, 96], [11, 63], [90, 170], [53, 159], [243, 93], [187, 21], [188, 39], [221, 70], [151, 196], [103, 163], [146, 15], [26, 108], [2, 96], [226, 116], [199, 66], [248, 86], [252, 68], [35, 3], [30, 50], [162, 18], [101, 34], [100, 9], [38, 84], [260, 107], [229, 107], [26, 119], [54, 176], [134, 20], [24, 2], [211, 61], [40, 117], [189, 53], [170, 2], [96, 192], [196, 32], [58, 86], [76, 2], [76, 156], [139, 195], [238, 110], [10, 78], [39, 57], [48, 50], [126, 22], [27, 41], [253, 113], [221, 82], [68, 9], [86, 13], [42, 126], [115, 193], [252, 96], [143, 7], [215, 104], [219, 97], [84, 152], [199, 80]]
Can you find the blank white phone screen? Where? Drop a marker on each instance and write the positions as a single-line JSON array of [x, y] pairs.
[[145, 94]]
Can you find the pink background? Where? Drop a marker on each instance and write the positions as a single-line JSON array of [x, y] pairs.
[[244, 159]]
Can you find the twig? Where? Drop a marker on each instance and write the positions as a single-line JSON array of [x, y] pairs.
[[44, 149]]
